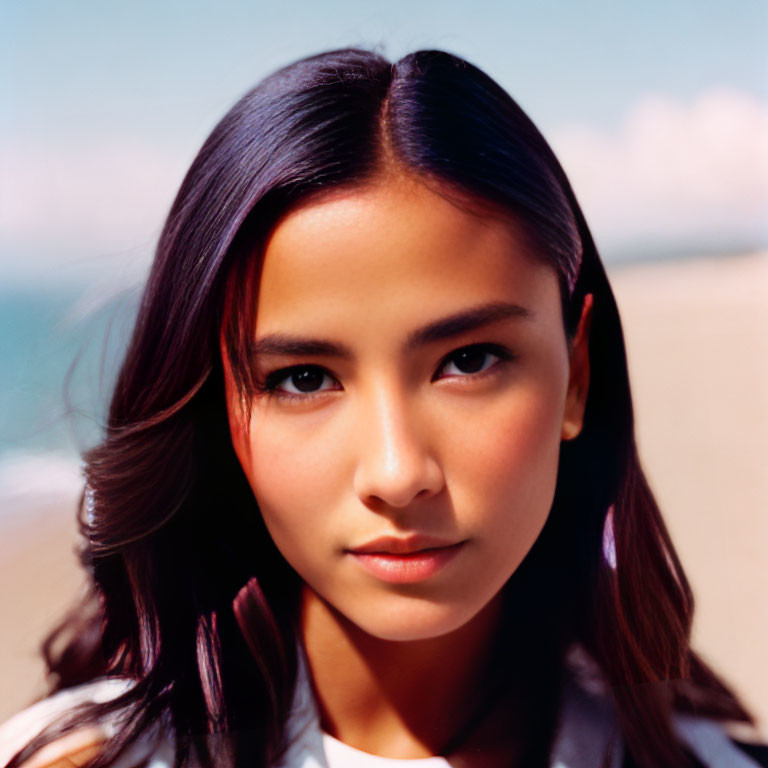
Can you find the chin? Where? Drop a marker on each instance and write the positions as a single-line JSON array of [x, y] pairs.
[[415, 619]]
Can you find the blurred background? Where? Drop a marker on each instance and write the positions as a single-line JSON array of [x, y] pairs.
[[658, 112]]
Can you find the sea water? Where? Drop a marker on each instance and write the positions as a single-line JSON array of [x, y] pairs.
[[59, 356]]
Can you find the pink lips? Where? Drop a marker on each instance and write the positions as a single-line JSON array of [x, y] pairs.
[[405, 561]]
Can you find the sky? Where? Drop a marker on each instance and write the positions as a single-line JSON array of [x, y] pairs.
[[657, 110]]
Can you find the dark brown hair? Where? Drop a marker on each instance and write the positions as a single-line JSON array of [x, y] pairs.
[[192, 601]]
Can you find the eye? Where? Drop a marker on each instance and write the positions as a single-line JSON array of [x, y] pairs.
[[474, 359], [301, 381]]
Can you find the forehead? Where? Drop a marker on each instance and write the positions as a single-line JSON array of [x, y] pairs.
[[395, 249]]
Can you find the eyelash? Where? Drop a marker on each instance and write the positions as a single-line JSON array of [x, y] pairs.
[[270, 385]]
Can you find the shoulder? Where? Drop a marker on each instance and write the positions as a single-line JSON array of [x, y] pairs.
[[589, 729], [73, 749], [710, 743]]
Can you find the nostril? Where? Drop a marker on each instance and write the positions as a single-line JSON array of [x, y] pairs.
[[398, 487]]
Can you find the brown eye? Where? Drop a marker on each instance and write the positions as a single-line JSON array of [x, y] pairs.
[[298, 381], [307, 380], [477, 358], [470, 360]]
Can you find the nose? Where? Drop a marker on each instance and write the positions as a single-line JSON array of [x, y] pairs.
[[394, 463]]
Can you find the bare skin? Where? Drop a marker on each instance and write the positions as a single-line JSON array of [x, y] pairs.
[[394, 699], [400, 441]]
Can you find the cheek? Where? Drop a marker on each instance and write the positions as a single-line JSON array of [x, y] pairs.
[[293, 481], [510, 456], [528, 436]]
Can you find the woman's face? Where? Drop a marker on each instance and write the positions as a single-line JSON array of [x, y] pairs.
[[418, 383]]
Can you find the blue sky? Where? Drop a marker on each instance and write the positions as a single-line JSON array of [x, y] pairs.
[[105, 102]]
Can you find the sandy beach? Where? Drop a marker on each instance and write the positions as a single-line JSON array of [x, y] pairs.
[[39, 580], [697, 340], [697, 346]]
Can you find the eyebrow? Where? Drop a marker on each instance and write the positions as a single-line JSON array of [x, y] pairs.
[[445, 328]]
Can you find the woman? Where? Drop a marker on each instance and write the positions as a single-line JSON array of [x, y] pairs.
[[369, 483]]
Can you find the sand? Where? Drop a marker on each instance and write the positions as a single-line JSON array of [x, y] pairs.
[[697, 346], [697, 340], [39, 580]]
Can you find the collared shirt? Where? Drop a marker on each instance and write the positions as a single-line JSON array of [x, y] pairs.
[[588, 731]]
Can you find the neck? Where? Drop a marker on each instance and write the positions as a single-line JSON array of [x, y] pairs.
[[397, 699]]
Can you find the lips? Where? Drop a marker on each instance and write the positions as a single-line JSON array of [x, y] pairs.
[[391, 545], [408, 560]]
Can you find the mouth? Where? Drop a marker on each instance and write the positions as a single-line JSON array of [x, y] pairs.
[[405, 561]]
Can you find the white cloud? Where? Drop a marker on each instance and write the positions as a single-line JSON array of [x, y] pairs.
[[94, 206], [674, 173]]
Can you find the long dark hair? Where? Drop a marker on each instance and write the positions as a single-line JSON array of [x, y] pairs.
[[192, 602]]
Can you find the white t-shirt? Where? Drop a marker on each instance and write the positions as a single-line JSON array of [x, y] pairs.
[[587, 729]]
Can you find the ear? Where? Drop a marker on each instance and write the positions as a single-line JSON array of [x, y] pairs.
[[578, 379]]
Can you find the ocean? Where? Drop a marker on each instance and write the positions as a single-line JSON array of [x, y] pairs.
[[59, 356]]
